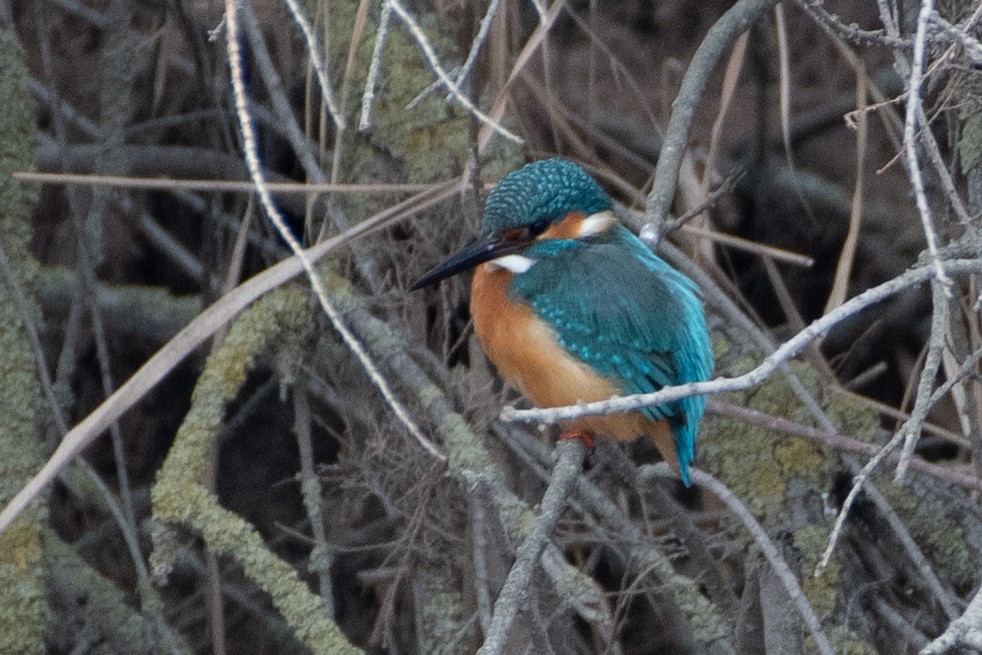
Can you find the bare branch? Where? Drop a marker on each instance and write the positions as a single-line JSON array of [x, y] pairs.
[[932, 362], [266, 199], [317, 60], [514, 593], [965, 631], [441, 73], [762, 539], [187, 340], [371, 81], [910, 144], [720, 37]]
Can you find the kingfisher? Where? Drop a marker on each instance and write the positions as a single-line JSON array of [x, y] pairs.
[[570, 306]]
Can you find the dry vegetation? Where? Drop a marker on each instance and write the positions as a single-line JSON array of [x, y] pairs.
[[291, 475]]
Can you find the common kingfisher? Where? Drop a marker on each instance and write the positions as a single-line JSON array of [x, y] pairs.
[[570, 306]]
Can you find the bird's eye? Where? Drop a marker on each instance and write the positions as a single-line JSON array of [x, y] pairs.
[[538, 227]]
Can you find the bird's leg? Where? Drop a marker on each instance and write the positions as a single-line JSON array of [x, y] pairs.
[[578, 433]]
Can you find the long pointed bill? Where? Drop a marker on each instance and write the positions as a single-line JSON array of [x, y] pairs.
[[480, 251]]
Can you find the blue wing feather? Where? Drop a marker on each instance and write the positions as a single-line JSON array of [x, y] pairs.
[[622, 310]]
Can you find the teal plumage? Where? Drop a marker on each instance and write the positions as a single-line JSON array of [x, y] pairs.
[[561, 284], [630, 317]]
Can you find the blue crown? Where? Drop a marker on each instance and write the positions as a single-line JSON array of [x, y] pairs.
[[548, 189]]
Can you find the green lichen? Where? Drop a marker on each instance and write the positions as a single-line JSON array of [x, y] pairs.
[[22, 602], [936, 531], [844, 641], [822, 591], [757, 464], [281, 319], [970, 142], [411, 118], [444, 616], [280, 313]]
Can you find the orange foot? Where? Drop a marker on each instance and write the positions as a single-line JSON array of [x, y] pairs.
[[580, 434]]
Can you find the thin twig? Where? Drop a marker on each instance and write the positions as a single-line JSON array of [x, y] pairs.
[[910, 144], [921, 564], [835, 27], [113, 505], [243, 186], [721, 35], [317, 60], [739, 243], [266, 199], [972, 45], [784, 573], [371, 81], [482, 33], [321, 558], [221, 312], [441, 73], [932, 362], [857, 485], [847, 257], [514, 592], [840, 442], [711, 198]]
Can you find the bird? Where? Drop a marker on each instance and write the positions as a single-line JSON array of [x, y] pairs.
[[570, 306]]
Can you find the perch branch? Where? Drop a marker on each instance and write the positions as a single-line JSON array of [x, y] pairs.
[[765, 369]]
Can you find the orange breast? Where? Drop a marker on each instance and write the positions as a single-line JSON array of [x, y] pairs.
[[524, 349]]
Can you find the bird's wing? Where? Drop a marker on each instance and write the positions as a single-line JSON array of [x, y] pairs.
[[628, 315]]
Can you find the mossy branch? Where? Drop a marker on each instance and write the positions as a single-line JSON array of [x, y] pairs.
[[23, 609], [87, 593], [180, 496]]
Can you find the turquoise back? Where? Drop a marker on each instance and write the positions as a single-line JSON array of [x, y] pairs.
[[627, 314]]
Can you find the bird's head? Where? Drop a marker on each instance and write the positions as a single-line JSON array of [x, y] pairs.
[[547, 199]]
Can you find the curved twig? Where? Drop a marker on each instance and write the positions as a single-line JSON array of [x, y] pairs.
[[187, 340], [761, 538], [720, 37]]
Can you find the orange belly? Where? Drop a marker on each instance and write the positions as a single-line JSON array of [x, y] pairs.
[[524, 349]]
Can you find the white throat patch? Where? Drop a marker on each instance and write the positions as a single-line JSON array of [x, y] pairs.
[[514, 263], [597, 223]]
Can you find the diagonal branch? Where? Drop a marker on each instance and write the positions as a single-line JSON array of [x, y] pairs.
[[763, 540], [255, 172], [721, 35], [514, 593]]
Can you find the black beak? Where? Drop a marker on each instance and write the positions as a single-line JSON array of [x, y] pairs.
[[480, 251]]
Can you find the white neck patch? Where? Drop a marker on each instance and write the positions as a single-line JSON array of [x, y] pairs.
[[514, 263], [597, 223]]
